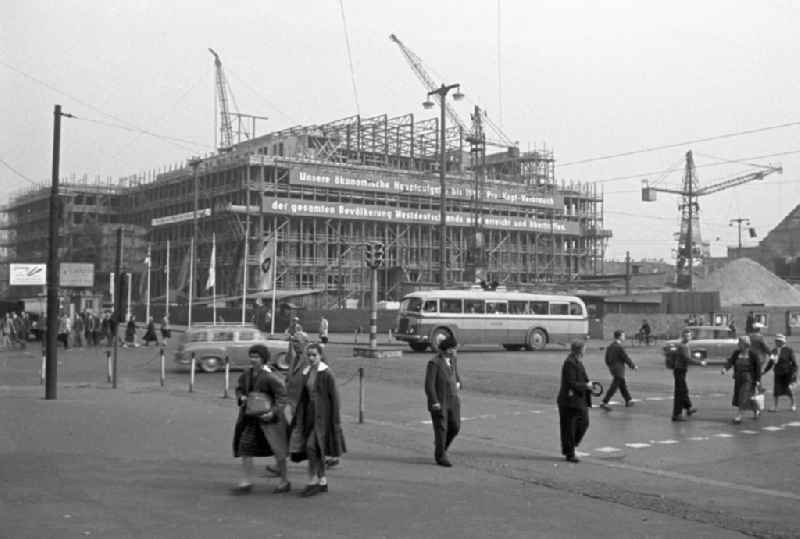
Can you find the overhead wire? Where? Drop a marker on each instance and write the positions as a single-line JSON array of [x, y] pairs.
[[683, 143], [349, 57], [499, 69], [17, 172]]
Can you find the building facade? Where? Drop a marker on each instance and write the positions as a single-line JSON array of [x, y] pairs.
[[310, 198]]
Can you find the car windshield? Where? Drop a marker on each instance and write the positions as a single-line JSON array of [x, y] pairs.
[[708, 333]]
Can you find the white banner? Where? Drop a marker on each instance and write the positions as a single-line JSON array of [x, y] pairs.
[[76, 274], [267, 264], [28, 274]]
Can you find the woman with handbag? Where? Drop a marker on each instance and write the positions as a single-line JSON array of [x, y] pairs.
[[261, 428], [317, 427], [746, 378], [785, 367]]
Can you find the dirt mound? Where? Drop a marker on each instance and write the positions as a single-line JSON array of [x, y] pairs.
[[744, 281]]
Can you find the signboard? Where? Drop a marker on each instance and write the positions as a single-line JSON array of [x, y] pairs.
[[76, 274], [180, 217], [288, 206], [28, 274], [456, 189]]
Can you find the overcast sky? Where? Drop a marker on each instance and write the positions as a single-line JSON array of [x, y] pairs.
[[586, 79]]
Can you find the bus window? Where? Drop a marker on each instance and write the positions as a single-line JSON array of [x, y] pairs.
[[540, 307], [474, 306], [430, 306], [518, 307], [575, 309], [450, 306], [559, 308], [411, 305], [493, 307]]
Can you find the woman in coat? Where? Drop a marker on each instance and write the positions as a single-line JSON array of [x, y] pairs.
[[150, 333], [746, 376], [130, 332], [317, 429], [574, 400], [785, 367], [265, 435]]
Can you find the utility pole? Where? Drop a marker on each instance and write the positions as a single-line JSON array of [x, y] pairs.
[[739, 221], [442, 92], [627, 273], [51, 359], [194, 162]]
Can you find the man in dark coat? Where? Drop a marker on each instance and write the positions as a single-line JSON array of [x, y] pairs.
[[616, 360], [681, 401], [442, 384], [574, 400]]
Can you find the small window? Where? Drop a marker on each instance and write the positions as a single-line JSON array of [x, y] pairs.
[[430, 306], [450, 305], [475, 306], [496, 307], [575, 309], [247, 335], [559, 308], [540, 307], [199, 336], [224, 336], [517, 307]]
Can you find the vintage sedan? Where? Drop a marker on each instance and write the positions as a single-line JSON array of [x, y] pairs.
[[708, 344], [212, 344]]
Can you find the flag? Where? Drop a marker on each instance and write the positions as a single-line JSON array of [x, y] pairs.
[[211, 283], [267, 264]]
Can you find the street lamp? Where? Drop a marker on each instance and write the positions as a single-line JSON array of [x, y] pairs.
[[441, 92], [739, 221]]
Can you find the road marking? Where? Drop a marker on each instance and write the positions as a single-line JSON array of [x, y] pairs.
[[657, 398], [699, 438], [772, 429], [747, 431], [608, 449], [582, 454], [723, 435], [666, 442], [637, 445], [792, 424]]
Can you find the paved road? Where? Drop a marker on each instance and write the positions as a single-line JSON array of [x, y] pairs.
[[142, 461]]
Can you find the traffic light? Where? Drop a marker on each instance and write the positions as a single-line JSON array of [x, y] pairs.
[[369, 255], [378, 254]]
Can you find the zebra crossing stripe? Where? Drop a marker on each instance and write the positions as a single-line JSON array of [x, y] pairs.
[[723, 435], [607, 449], [637, 445], [792, 424], [772, 429], [747, 431]]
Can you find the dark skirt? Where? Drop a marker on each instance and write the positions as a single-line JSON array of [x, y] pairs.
[[743, 389], [782, 382], [252, 442]]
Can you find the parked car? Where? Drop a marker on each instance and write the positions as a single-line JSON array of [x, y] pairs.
[[708, 344], [211, 344]]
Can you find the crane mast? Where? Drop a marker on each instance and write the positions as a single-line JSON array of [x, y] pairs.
[[690, 246], [415, 62], [225, 127]]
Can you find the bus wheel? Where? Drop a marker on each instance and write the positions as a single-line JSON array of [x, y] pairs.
[[512, 347], [418, 346], [537, 339], [438, 335]]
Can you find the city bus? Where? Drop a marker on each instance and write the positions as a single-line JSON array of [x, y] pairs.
[[515, 320]]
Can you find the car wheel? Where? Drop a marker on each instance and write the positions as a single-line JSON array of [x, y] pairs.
[[536, 340], [418, 346], [438, 335], [210, 364]]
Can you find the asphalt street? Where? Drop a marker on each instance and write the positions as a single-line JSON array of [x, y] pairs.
[[147, 461]]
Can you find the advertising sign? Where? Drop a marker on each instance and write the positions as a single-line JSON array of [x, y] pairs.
[[28, 274], [400, 184], [288, 206], [76, 274], [180, 217]]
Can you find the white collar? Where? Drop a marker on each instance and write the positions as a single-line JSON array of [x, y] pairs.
[[321, 367]]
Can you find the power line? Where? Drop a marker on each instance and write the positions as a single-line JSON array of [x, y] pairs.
[[17, 172], [182, 143], [679, 144]]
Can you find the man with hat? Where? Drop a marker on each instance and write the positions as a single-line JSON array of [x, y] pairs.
[[784, 362], [442, 384], [758, 344], [682, 358]]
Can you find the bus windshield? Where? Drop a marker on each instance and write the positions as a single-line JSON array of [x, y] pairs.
[[411, 305]]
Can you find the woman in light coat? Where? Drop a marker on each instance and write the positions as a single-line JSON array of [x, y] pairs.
[[746, 376]]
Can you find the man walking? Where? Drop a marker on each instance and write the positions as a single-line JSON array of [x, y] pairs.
[[441, 388], [616, 360], [681, 359]]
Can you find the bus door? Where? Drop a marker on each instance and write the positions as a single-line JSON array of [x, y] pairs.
[[496, 322], [578, 323], [473, 321], [560, 321]]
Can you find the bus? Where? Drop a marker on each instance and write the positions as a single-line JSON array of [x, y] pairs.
[[515, 320]]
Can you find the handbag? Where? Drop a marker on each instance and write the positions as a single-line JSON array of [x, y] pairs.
[[257, 404], [758, 400]]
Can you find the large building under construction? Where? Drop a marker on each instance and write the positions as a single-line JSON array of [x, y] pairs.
[[311, 197]]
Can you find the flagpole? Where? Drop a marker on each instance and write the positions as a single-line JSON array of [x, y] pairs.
[[244, 264], [166, 298], [191, 279], [147, 308], [274, 265], [213, 271]]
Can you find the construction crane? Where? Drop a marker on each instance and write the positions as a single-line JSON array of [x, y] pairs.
[[225, 127], [419, 70], [689, 241]]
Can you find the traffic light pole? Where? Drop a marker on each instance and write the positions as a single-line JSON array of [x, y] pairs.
[[373, 258], [373, 314]]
